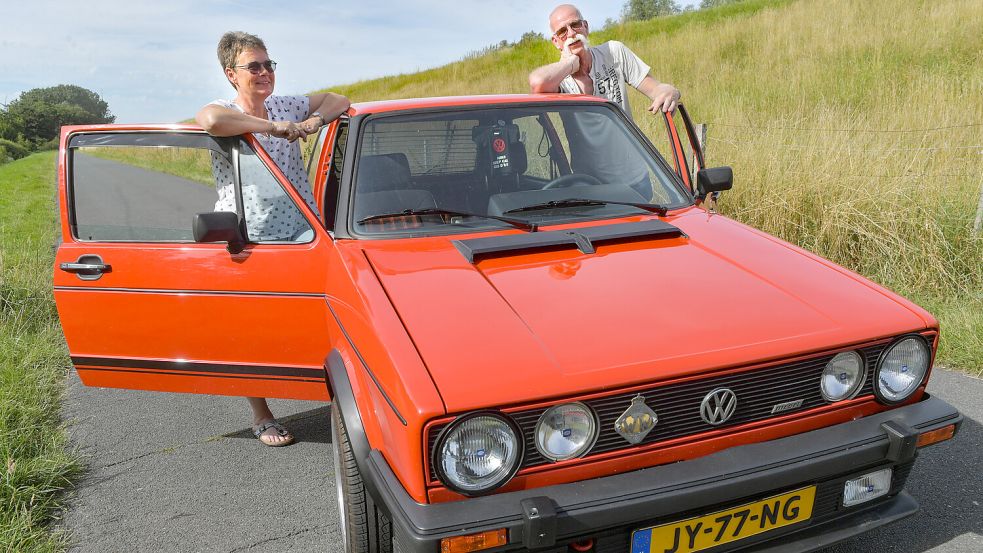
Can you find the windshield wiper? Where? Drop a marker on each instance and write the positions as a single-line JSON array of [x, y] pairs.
[[517, 223], [577, 202]]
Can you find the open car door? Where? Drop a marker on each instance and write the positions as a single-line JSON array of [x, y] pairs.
[[687, 152], [145, 306]]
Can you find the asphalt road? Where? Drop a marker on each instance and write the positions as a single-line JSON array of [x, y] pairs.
[[116, 201], [174, 472]]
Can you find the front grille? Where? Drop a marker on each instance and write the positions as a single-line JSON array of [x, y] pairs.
[[678, 405]]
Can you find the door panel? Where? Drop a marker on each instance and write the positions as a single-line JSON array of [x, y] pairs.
[[173, 315]]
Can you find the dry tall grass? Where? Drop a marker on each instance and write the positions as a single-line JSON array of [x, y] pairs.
[[855, 129]]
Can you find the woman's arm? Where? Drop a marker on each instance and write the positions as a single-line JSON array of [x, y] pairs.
[[329, 105], [222, 121]]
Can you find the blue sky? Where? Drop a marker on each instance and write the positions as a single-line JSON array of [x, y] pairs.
[[154, 61]]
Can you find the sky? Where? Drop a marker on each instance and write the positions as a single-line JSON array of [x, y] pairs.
[[155, 62]]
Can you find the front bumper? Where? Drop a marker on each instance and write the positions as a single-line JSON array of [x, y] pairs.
[[608, 508]]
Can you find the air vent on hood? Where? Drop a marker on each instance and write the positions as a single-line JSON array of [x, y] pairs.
[[582, 238]]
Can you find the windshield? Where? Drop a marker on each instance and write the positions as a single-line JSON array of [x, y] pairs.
[[446, 172]]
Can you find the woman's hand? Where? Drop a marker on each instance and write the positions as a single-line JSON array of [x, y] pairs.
[[289, 130], [312, 124]]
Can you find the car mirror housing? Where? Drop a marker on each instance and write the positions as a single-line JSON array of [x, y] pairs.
[[714, 179], [219, 226]]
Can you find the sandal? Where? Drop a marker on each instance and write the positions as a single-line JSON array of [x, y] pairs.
[[260, 433]]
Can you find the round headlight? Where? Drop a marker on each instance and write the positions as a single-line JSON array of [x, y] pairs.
[[566, 431], [902, 369], [477, 453], [843, 376]]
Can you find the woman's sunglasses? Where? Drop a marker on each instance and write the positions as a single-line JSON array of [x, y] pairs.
[[255, 67]]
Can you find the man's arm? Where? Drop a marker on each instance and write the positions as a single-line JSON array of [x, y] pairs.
[[547, 78], [664, 96]]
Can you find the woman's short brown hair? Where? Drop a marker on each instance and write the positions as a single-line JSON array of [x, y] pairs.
[[233, 43]]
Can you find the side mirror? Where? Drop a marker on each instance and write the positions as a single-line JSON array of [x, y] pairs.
[[714, 179], [219, 226]]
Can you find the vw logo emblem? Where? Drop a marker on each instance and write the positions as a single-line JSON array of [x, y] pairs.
[[718, 406]]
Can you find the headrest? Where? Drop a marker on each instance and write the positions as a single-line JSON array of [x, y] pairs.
[[518, 157], [383, 172]]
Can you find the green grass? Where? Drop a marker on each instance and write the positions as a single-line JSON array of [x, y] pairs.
[[35, 463], [187, 163]]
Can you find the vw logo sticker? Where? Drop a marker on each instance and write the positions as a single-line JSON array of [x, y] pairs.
[[718, 406]]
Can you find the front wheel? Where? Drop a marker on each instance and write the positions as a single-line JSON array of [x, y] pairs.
[[364, 528]]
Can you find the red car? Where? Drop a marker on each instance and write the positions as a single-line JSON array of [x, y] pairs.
[[535, 332]]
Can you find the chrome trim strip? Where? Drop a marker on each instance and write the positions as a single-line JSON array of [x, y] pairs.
[[192, 366], [179, 291]]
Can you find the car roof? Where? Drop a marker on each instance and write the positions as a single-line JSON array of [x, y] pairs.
[[363, 108]]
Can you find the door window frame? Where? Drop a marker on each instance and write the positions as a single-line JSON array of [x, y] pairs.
[[230, 147]]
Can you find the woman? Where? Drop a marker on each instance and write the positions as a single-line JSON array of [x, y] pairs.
[[277, 122]]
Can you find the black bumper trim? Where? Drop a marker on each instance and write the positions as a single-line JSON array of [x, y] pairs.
[[820, 536], [613, 501]]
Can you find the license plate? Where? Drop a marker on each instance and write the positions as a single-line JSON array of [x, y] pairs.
[[704, 532]]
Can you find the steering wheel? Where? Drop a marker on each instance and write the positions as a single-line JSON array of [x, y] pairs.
[[571, 180]]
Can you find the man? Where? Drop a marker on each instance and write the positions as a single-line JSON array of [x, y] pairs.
[[601, 70]]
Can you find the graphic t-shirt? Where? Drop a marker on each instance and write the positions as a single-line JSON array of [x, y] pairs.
[[614, 67], [591, 136], [270, 214]]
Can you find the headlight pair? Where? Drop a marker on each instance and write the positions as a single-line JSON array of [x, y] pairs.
[[901, 369], [482, 451]]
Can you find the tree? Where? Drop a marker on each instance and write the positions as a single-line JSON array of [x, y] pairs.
[[38, 114], [704, 4], [638, 10]]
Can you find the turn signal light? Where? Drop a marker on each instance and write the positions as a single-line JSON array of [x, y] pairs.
[[936, 436], [473, 542]]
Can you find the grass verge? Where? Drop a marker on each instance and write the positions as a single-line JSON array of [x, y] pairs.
[[35, 463]]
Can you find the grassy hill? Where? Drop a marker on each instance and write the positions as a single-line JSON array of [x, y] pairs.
[[855, 129]]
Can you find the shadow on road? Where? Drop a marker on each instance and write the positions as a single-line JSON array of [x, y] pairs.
[[308, 426]]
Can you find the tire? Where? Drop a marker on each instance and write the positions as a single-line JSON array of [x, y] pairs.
[[364, 528]]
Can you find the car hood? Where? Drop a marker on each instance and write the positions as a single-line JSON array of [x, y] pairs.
[[527, 325]]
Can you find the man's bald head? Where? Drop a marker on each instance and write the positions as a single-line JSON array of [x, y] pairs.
[[566, 21], [564, 13]]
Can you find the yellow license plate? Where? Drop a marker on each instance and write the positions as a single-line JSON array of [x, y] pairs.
[[699, 533]]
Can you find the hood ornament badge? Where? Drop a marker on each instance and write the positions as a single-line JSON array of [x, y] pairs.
[[637, 421], [718, 406]]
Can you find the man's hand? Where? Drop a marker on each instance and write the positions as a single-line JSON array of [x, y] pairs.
[[665, 98], [567, 57]]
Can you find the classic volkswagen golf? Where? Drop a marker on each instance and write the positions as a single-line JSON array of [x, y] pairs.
[[534, 330]]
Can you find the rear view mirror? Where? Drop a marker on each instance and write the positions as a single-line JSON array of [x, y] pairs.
[[713, 179], [219, 226]]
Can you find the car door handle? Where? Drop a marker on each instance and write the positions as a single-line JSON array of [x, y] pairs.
[[87, 267], [79, 267]]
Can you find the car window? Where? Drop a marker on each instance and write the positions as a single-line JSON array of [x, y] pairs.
[[132, 193], [149, 187], [271, 215], [429, 146], [333, 186], [490, 162], [312, 154]]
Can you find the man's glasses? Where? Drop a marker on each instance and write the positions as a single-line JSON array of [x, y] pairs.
[[574, 26], [255, 67]]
